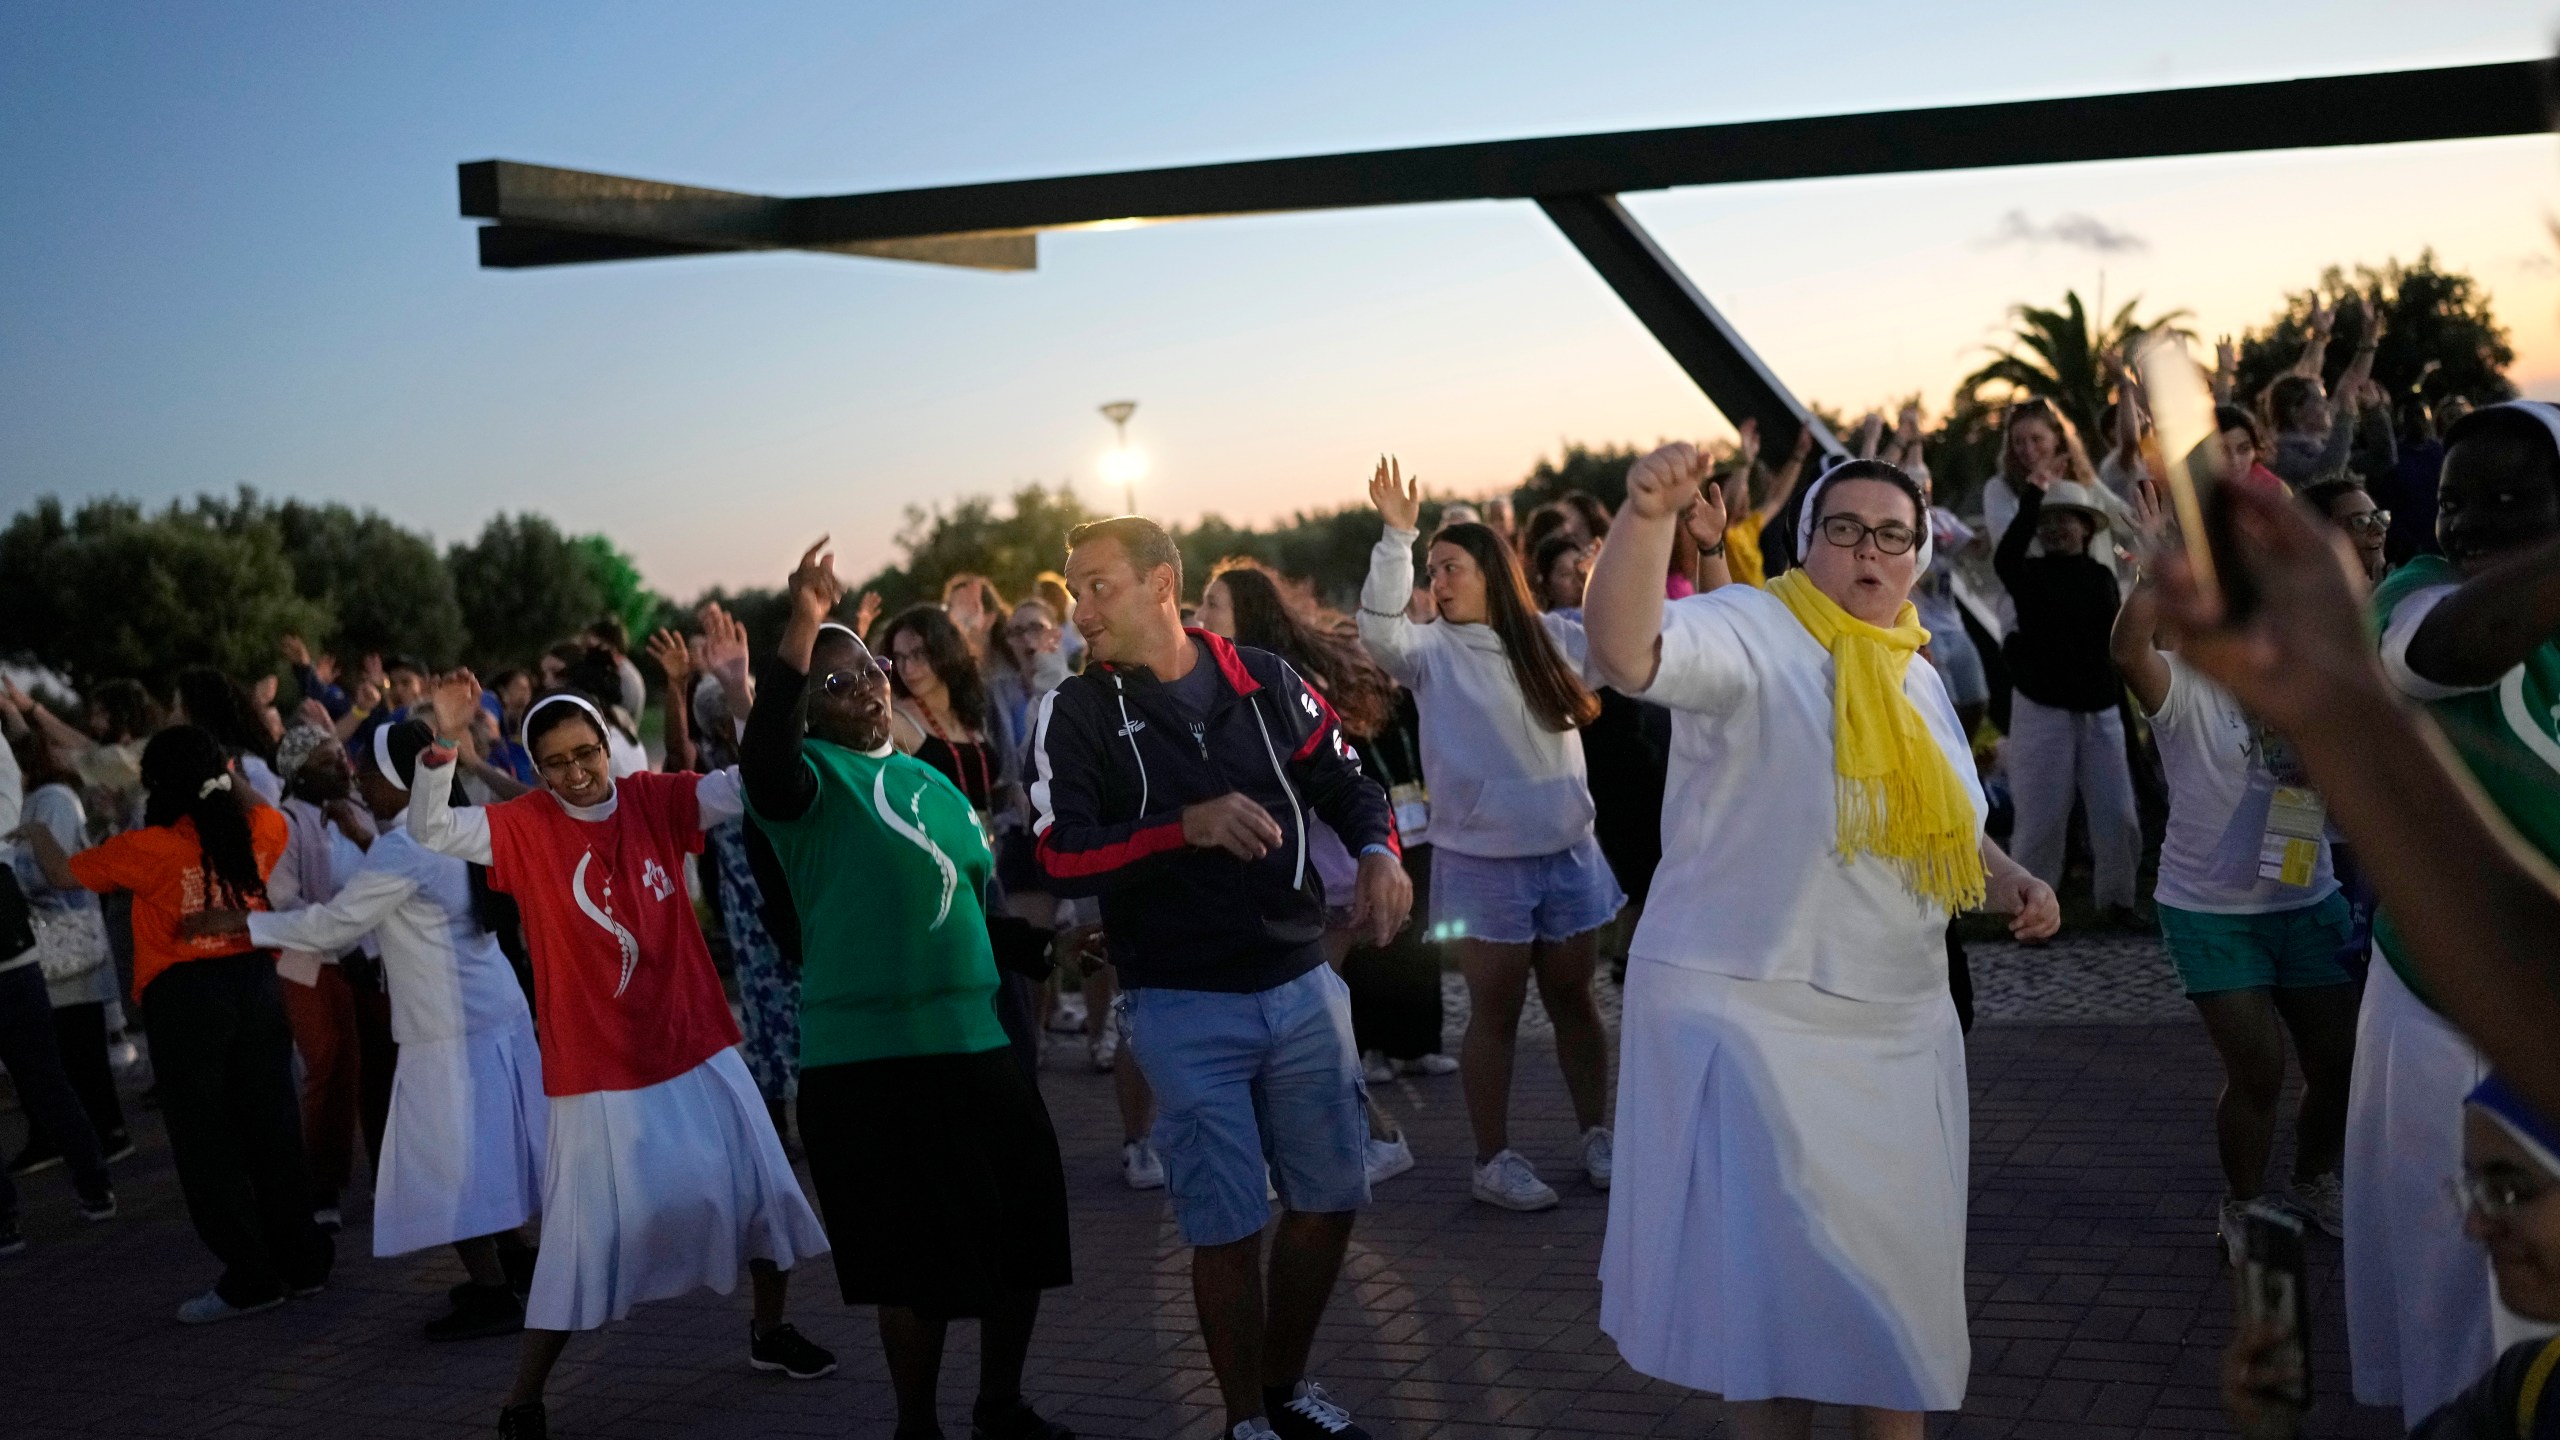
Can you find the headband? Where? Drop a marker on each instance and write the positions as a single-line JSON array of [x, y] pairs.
[[846, 631], [1810, 515], [2526, 1126], [2542, 410], [524, 731], [382, 757]]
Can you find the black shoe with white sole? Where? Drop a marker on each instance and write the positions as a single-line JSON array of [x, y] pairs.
[[785, 1349]]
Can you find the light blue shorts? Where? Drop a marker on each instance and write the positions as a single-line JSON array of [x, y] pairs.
[[1248, 1083], [1524, 898]]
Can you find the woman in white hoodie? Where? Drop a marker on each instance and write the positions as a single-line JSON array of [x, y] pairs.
[[1518, 883]]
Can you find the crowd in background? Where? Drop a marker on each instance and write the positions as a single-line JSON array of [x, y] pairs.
[[2110, 733]]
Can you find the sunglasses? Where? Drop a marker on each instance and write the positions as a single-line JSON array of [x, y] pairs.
[[840, 683]]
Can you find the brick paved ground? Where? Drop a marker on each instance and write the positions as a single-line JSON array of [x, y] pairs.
[[2098, 1306]]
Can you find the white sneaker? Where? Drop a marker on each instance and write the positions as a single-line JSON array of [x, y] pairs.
[[2234, 1228], [1434, 1063], [1598, 1145], [1510, 1181], [1377, 1068], [1253, 1430], [209, 1307], [1067, 1018], [2321, 1201], [1388, 1158], [1140, 1167], [1104, 1049]]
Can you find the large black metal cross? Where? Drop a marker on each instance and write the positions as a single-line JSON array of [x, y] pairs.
[[548, 216]]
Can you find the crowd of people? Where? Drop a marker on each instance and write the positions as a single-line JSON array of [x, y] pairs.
[[452, 920]]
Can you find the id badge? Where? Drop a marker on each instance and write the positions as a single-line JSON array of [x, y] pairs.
[[2290, 850], [1413, 812]]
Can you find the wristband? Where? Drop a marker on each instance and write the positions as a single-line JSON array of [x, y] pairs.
[[1374, 848], [1707, 554]]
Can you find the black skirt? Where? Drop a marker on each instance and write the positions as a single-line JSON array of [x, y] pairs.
[[939, 1179]]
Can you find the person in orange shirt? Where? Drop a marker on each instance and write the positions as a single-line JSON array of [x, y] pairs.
[[219, 1041]]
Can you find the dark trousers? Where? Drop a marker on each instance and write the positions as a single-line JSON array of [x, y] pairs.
[[342, 1026], [80, 1032], [34, 1058], [224, 1055], [1395, 991]]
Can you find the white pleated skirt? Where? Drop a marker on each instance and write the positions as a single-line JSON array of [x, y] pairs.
[[2420, 1304], [1788, 1213], [462, 1156], [658, 1192]]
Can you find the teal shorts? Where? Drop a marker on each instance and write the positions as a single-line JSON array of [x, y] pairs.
[[2279, 949]]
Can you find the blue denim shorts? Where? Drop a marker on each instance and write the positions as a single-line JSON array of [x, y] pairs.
[[1523, 898], [1244, 1082]]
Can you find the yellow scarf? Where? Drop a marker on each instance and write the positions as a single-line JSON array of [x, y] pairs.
[[1899, 798]]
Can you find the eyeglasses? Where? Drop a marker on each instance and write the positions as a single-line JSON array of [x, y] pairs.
[[1029, 628], [840, 683], [578, 759], [2494, 1195], [2371, 522], [1847, 531]]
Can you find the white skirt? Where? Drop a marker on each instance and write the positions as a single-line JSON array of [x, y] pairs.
[[1788, 1214], [654, 1193], [2419, 1298], [463, 1154]]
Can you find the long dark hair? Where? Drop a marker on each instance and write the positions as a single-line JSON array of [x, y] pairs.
[[595, 675], [188, 777], [1267, 618], [947, 651], [215, 703], [1555, 694]]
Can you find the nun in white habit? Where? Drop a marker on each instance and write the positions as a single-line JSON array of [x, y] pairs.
[[1788, 1222], [462, 1157]]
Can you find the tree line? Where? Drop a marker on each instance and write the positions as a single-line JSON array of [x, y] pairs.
[[111, 589]]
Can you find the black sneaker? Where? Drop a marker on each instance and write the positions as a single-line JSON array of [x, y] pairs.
[[119, 1146], [34, 1160], [1016, 1422], [479, 1313], [1311, 1414], [785, 1349], [98, 1208], [528, 1421]]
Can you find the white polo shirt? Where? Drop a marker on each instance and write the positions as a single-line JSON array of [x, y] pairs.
[[1751, 883]]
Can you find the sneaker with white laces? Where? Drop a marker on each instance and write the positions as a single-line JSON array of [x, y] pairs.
[[1376, 1068], [1598, 1155], [99, 1208], [1434, 1063], [1510, 1181], [1388, 1159], [1140, 1166], [2322, 1201], [1255, 1429], [2234, 1230], [209, 1307], [1311, 1414]]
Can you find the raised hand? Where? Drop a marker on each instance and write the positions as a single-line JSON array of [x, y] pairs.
[[1746, 445], [866, 612], [296, 654], [815, 590], [373, 672], [722, 650], [455, 695], [668, 649], [313, 714], [1397, 495], [326, 667], [1663, 483], [1705, 516], [1870, 434], [368, 694], [2323, 319]]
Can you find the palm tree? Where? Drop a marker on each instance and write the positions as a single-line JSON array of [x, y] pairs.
[[2057, 359]]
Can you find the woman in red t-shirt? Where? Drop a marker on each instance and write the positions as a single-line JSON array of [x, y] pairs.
[[219, 1041], [655, 1122]]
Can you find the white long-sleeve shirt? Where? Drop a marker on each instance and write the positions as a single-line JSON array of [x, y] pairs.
[[446, 975], [1502, 783]]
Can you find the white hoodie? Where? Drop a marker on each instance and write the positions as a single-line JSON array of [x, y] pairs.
[[1502, 784]]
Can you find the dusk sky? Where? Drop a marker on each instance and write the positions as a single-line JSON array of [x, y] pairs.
[[233, 253]]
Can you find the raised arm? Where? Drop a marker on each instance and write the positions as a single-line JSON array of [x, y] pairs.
[[1782, 484], [2009, 557], [2134, 641], [1705, 520], [434, 823], [454, 702], [778, 780], [2315, 344], [675, 662], [1394, 641], [2490, 623], [1622, 604]]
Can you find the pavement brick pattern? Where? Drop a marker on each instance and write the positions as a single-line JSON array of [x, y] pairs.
[[2099, 1307]]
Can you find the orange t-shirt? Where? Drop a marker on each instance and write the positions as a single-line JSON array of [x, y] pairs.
[[163, 865]]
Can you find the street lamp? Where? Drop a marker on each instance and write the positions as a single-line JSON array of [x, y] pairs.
[[1124, 465]]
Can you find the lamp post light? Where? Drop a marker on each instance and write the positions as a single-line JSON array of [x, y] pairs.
[[1123, 464]]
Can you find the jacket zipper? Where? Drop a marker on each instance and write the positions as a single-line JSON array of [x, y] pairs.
[[1129, 733], [1299, 878]]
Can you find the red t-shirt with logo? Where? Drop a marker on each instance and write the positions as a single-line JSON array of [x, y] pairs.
[[623, 985]]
